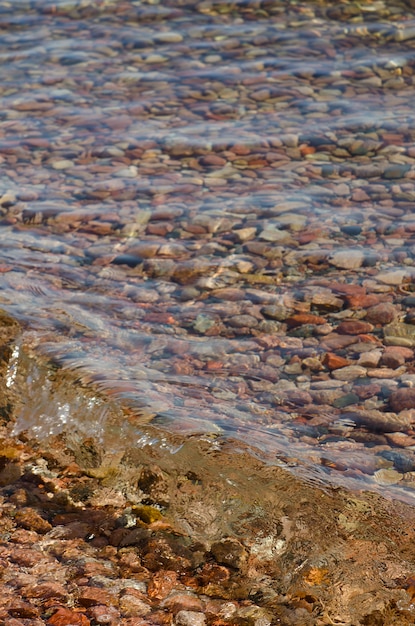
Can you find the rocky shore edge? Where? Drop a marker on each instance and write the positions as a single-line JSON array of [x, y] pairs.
[[200, 533]]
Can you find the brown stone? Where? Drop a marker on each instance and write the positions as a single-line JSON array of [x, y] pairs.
[[354, 327], [182, 602], [68, 617], [47, 590], [229, 551], [356, 301], [298, 319], [29, 519], [212, 159], [395, 356], [334, 361], [333, 341], [131, 606], [403, 398], [108, 615], [162, 584], [19, 608], [91, 596], [383, 313]]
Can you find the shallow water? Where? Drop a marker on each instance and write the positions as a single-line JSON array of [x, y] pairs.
[[178, 180]]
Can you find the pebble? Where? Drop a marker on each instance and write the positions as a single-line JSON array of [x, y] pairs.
[[394, 277], [403, 398], [399, 334], [354, 327], [350, 372], [370, 359], [378, 421], [240, 321], [131, 606], [190, 618], [63, 164], [387, 476], [385, 372], [347, 259], [383, 313], [395, 356]]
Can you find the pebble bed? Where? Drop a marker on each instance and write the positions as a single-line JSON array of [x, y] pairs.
[[216, 227], [206, 211]]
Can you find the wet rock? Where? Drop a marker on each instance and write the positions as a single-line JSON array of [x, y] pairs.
[[395, 356], [387, 476], [106, 615], [385, 372], [276, 312], [347, 259], [67, 617], [399, 334], [334, 361], [178, 601], [47, 590], [354, 327], [350, 372], [190, 618], [397, 170], [19, 608], [29, 519], [394, 277], [300, 319], [383, 313], [243, 321], [91, 596], [297, 397], [370, 359], [378, 421], [253, 616], [334, 342], [403, 398], [131, 606], [229, 551], [326, 396]]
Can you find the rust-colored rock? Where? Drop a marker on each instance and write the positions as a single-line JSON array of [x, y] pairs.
[[47, 591], [162, 583], [298, 319], [333, 361], [91, 596], [354, 327], [29, 519], [68, 617]]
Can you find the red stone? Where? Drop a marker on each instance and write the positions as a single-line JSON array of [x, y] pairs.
[[333, 361]]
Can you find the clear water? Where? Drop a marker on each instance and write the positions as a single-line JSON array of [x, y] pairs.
[[119, 234]]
